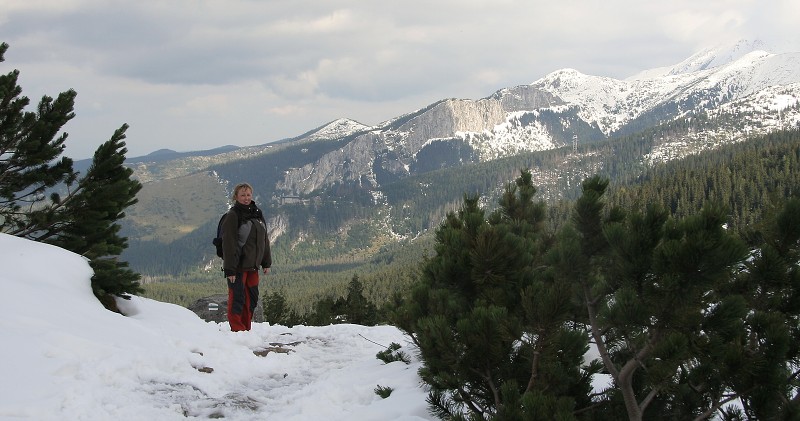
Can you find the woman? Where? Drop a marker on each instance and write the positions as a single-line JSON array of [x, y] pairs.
[[245, 246]]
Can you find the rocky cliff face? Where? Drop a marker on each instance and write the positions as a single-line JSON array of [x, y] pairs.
[[562, 107], [398, 142], [349, 163], [741, 95]]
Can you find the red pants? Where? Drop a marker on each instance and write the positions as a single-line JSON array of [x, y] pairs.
[[242, 300]]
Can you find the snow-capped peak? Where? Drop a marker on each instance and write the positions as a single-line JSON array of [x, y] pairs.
[[731, 72], [717, 56], [335, 129], [709, 58]]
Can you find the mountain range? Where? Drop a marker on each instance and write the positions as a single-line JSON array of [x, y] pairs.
[[347, 183]]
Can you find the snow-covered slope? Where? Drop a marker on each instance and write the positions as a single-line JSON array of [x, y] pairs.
[[713, 98], [562, 108], [67, 358], [612, 103], [707, 58], [336, 129]]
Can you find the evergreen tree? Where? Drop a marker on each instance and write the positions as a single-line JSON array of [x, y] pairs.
[[277, 311], [491, 327], [79, 215], [326, 312], [653, 291], [96, 205], [29, 146], [356, 308], [761, 363]]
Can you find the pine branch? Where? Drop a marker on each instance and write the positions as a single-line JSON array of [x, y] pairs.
[[467, 399], [537, 355], [369, 340], [714, 408], [596, 335]]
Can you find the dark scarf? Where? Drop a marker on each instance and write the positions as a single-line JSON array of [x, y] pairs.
[[247, 212]]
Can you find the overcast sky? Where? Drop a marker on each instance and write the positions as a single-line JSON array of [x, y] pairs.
[[198, 74]]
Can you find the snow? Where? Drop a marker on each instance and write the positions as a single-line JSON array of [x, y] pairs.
[[727, 77], [782, 102], [336, 129], [719, 55], [708, 58], [65, 357], [730, 73]]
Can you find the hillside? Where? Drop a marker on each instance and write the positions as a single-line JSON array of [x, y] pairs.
[[344, 194], [75, 360]]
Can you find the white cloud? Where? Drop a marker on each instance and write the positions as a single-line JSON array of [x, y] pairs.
[[303, 85], [285, 110], [366, 56], [335, 21], [215, 104]]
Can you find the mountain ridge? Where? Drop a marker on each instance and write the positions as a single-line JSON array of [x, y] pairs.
[[330, 176], [512, 120], [707, 59]]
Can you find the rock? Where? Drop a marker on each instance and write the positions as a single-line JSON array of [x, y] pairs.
[[265, 351], [276, 347], [215, 309], [211, 309]]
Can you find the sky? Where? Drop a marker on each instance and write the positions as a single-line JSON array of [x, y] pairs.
[[65, 357], [198, 74]]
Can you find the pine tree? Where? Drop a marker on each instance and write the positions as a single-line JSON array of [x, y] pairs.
[[357, 309], [79, 215], [277, 311], [491, 328], [29, 147], [653, 291], [325, 312], [761, 364], [96, 205]]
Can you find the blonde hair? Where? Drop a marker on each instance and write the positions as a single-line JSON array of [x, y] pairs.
[[238, 188]]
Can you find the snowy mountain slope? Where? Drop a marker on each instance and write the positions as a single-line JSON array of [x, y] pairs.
[[611, 103], [703, 83], [338, 128], [755, 72], [563, 107], [147, 171], [713, 101], [707, 58], [773, 108]]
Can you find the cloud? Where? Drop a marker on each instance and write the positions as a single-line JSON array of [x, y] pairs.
[[303, 85], [215, 104], [285, 110], [335, 21], [292, 66]]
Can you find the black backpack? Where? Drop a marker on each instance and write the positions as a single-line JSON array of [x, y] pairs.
[[217, 241]]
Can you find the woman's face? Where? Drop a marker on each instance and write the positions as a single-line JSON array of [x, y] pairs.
[[245, 196]]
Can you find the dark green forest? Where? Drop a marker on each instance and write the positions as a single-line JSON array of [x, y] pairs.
[[681, 316], [414, 204], [748, 177]]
